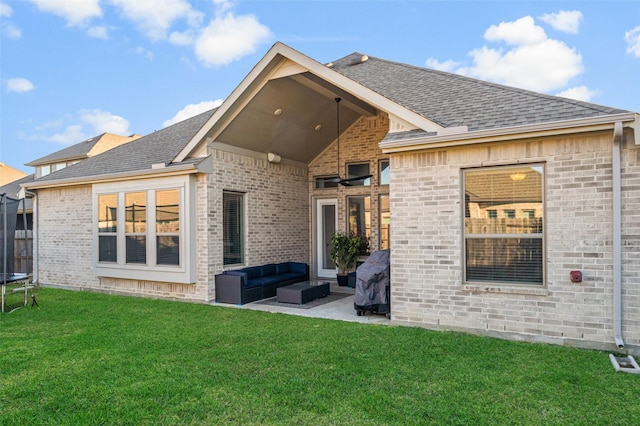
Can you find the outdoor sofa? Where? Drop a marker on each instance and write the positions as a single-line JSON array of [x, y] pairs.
[[240, 286]]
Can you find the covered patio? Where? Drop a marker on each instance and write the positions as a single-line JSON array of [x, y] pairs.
[[341, 309]]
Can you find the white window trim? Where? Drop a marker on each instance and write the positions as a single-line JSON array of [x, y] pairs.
[[185, 272], [507, 287]]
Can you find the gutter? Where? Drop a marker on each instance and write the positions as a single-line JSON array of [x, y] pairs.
[[551, 128], [617, 236]]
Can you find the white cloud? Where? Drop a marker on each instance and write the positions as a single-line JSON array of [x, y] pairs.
[[98, 31], [192, 110], [76, 13], [5, 10], [181, 38], [11, 31], [521, 32], [447, 66], [19, 85], [8, 28], [228, 38], [567, 21], [144, 52], [579, 93], [74, 128], [69, 136], [154, 18], [103, 121], [632, 38], [531, 61]]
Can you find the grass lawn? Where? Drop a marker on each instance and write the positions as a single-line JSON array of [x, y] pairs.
[[86, 358]]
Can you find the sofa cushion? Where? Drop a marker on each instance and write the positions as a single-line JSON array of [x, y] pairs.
[[253, 271], [269, 270], [283, 268]]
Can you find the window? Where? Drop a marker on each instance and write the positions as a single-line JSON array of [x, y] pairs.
[[385, 222], [107, 228], [43, 170], [135, 227], [145, 230], [384, 178], [506, 249], [58, 166], [356, 171], [326, 182], [233, 227], [168, 227], [360, 219]]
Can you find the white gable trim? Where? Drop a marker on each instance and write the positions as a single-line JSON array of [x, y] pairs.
[[271, 66]]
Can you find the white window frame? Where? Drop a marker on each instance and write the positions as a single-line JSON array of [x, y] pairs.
[[185, 272], [537, 288]]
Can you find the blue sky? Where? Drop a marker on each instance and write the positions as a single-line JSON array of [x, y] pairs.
[[72, 69]]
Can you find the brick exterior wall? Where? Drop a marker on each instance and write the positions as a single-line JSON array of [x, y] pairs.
[[426, 241], [357, 145], [65, 250], [64, 238], [276, 201]]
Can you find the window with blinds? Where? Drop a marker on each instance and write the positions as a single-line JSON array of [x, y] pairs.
[[233, 228], [503, 225]]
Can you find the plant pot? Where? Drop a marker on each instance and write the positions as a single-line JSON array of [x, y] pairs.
[[343, 279]]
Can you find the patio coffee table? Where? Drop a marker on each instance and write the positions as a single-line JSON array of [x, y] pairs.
[[303, 292]]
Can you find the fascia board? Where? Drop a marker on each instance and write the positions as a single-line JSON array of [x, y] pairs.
[[554, 128], [201, 167], [267, 67]]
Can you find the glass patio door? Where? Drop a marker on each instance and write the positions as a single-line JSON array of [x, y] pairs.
[[326, 220]]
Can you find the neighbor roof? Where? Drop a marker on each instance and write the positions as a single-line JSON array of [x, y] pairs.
[[453, 100], [84, 149], [159, 147]]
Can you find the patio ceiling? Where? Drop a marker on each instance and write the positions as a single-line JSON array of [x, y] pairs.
[[293, 116]]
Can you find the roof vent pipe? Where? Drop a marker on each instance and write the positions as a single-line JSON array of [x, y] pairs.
[[617, 236]]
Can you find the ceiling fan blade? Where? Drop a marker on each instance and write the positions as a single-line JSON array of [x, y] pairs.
[[357, 178], [344, 183]]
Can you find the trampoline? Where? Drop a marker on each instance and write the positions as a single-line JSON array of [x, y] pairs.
[[8, 218]]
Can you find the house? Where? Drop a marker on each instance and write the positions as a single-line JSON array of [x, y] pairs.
[[508, 213], [78, 152], [15, 180], [8, 174]]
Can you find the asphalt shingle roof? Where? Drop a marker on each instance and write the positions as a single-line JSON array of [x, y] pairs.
[[79, 150], [161, 146], [454, 100], [448, 99]]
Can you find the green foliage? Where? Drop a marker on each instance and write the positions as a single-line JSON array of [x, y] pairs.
[[345, 250], [86, 358]]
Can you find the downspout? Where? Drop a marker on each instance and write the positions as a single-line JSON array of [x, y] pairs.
[[617, 236]]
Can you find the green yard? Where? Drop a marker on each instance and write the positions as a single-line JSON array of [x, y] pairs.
[[86, 358]]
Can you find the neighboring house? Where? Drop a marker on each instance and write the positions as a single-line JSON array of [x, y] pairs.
[[45, 166], [78, 152], [23, 245], [487, 196], [8, 174]]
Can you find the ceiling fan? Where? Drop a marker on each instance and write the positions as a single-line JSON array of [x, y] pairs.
[[338, 179]]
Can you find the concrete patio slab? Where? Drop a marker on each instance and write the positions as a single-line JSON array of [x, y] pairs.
[[341, 310]]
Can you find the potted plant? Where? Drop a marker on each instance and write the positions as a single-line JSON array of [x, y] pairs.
[[344, 253]]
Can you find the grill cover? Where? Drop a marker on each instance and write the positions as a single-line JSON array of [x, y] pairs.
[[372, 278]]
